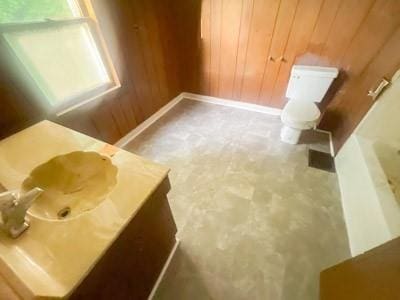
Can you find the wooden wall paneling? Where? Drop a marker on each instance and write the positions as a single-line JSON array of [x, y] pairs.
[[16, 111], [115, 38], [118, 116], [126, 105], [205, 48], [323, 26], [146, 51], [378, 68], [314, 32], [194, 56], [349, 107], [322, 29], [156, 66], [349, 17], [303, 27], [262, 28], [193, 53], [157, 51], [142, 54], [136, 70], [169, 43], [10, 116], [112, 116], [188, 16], [216, 37], [230, 27], [10, 113], [241, 51], [283, 27], [104, 123], [120, 112], [221, 48], [380, 23], [81, 120]]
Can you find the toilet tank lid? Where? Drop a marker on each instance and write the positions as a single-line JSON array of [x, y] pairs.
[[315, 71]]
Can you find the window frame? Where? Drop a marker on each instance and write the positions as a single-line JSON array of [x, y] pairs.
[[88, 17]]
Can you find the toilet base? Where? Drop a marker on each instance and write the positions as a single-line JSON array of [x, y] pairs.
[[290, 135]]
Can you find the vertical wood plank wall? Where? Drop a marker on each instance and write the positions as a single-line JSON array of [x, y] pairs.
[[245, 50], [235, 49], [140, 37]]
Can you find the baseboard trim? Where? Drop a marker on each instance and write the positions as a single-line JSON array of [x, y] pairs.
[[233, 103], [332, 149], [214, 100], [164, 270], [146, 123]]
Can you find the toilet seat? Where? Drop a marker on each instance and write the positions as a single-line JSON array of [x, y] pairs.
[[300, 114]]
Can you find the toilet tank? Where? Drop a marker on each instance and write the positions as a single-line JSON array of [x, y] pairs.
[[310, 83]]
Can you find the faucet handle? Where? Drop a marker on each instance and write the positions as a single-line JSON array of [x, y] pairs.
[[13, 207], [8, 198]]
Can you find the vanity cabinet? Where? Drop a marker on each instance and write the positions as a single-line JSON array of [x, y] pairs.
[[130, 267], [115, 249]]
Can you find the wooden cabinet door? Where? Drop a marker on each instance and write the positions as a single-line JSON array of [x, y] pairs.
[[283, 25], [302, 28], [372, 275]]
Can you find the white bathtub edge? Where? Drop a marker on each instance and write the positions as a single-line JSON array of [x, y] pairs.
[[365, 221]]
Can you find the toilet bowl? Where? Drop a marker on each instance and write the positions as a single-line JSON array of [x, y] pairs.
[[296, 117], [307, 86]]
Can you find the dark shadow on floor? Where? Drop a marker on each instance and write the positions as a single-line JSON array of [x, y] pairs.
[[182, 280]]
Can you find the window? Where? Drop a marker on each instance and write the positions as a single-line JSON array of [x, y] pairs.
[[58, 50]]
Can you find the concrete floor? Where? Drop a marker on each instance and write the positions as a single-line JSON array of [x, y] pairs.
[[254, 221]]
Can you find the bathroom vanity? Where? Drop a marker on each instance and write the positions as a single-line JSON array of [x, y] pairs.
[[105, 235]]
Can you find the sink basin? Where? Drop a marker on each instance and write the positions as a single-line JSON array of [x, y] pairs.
[[73, 183]]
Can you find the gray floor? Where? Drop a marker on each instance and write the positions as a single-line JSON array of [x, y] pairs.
[[253, 220]]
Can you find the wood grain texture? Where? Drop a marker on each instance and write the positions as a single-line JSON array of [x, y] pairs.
[[131, 266], [283, 27], [187, 19], [235, 49], [303, 25], [261, 30], [231, 11], [261, 39], [205, 48], [373, 54], [141, 39], [348, 108], [372, 275], [244, 34]]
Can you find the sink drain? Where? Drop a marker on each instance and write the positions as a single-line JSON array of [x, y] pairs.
[[64, 212]]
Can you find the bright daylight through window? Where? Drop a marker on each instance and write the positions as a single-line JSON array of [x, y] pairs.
[[56, 49]]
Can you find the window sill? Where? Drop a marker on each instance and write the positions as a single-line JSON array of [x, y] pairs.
[[91, 99]]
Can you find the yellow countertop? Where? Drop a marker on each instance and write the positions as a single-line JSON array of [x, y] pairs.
[[52, 257]]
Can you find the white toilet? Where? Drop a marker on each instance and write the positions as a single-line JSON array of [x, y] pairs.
[[307, 85]]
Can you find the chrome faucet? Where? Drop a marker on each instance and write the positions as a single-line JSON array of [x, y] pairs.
[[13, 207]]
